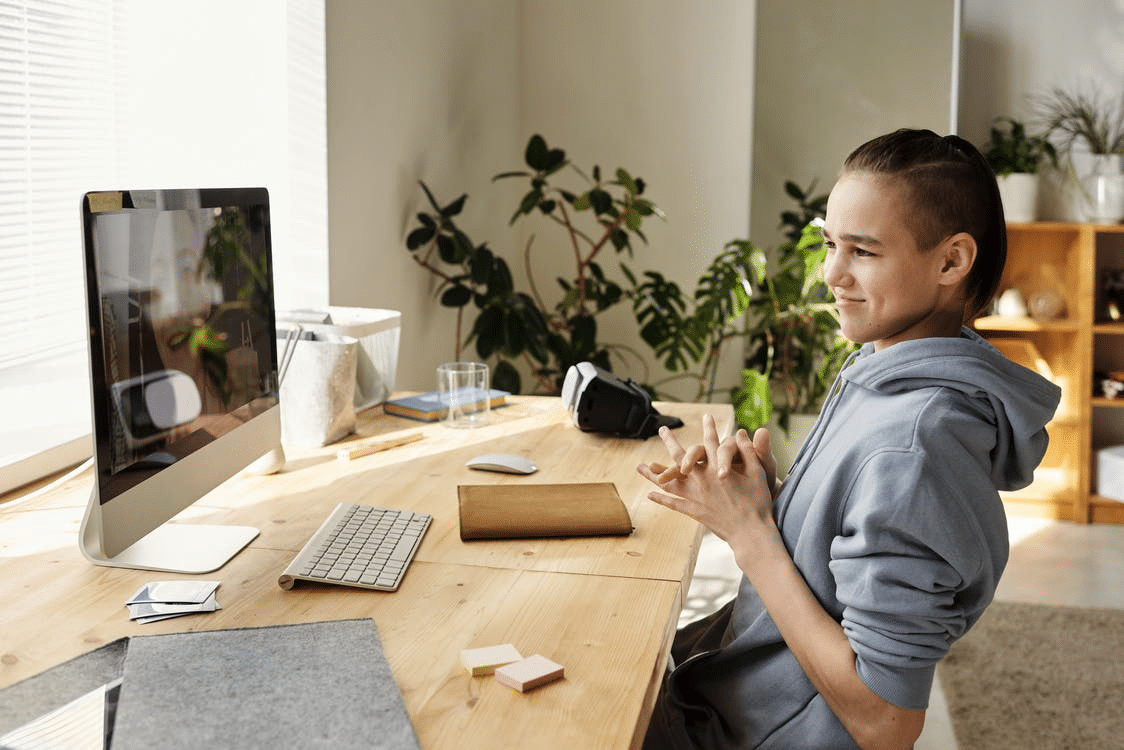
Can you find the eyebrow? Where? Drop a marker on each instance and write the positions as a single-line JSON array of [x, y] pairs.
[[855, 239]]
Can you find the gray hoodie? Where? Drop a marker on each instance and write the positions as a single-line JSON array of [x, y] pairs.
[[891, 513]]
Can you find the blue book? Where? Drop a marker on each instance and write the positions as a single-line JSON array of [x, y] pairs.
[[430, 407]]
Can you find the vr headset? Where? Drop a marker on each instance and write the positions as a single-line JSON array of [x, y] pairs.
[[599, 401]]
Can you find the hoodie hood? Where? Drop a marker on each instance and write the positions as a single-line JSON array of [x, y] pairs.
[[1022, 400]]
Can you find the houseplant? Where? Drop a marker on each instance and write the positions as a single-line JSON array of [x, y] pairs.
[[599, 219], [778, 307], [1016, 157], [1097, 124]]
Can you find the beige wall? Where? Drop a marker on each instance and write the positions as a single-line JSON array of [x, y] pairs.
[[448, 91], [832, 74], [416, 91]]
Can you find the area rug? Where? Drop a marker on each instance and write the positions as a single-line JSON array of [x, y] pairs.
[[1031, 676]]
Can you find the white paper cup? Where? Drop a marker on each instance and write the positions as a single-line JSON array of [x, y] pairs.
[[463, 387]]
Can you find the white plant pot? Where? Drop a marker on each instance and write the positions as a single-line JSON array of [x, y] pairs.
[[1019, 193], [1104, 190]]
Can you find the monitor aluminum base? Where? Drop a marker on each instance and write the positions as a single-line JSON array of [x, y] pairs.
[[171, 547]]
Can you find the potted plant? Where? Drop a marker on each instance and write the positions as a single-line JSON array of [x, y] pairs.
[[1016, 157], [601, 218], [1086, 119], [779, 307]]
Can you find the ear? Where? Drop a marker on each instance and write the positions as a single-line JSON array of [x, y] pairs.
[[958, 254]]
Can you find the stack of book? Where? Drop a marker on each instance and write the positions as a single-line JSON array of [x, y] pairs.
[[432, 406]]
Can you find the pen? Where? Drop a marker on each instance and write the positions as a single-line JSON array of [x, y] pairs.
[[347, 454]]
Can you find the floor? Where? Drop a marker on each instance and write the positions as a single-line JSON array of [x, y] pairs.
[[1051, 563]]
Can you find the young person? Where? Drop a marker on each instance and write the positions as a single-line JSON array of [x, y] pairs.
[[885, 542]]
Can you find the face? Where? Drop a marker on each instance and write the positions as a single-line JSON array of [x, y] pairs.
[[886, 288]]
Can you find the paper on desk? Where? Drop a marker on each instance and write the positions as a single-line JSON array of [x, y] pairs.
[[174, 592], [79, 725], [144, 612]]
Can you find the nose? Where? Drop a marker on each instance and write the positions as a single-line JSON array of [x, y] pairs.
[[834, 271]]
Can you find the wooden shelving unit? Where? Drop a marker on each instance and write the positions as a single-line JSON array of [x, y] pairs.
[[1068, 260]]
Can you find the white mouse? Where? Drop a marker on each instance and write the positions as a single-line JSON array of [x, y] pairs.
[[503, 462]]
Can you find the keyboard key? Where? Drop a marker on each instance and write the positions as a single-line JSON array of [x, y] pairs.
[[360, 545]]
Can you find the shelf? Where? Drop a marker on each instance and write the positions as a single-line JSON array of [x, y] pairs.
[[1069, 257], [1105, 510], [1108, 403], [1024, 325]]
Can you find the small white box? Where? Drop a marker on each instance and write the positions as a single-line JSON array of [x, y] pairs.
[[378, 332], [1110, 472]]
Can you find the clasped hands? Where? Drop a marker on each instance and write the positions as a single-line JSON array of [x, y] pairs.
[[726, 485]]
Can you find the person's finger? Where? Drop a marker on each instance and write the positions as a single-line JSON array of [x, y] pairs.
[[763, 443], [710, 435], [729, 454], [674, 449], [659, 474], [692, 457]]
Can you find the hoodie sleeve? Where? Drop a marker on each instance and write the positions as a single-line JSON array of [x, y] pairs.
[[922, 544]]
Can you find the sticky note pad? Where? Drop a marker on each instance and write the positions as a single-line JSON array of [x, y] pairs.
[[529, 673], [481, 661]]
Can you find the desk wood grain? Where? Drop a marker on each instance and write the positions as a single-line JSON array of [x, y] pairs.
[[605, 608]]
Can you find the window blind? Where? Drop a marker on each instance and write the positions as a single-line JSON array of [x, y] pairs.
[[56, 125], [119, 94]]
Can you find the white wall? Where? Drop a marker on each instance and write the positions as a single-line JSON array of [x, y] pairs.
[[416, 91], [831, 74], [1018, 50], [449, 91]]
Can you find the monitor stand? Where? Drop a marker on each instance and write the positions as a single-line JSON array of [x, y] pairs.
[[170, 547]]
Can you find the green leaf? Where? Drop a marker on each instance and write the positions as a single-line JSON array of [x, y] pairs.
[[536, 153], [457, 295], [480, 265], [487, 329], [753, 403], [581, 203], [454, 208], [447, 249], [625, 179], [419, 237], [527, 205], [500, 281], [601, 201], [505, 377], [632, 219], [583, 332], [514, 334]]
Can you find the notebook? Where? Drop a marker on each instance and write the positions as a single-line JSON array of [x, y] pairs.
[[509, 511]]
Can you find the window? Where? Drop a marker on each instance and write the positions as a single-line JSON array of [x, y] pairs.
[[119, 94]]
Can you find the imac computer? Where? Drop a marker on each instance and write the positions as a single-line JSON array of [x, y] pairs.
[[183, 367]]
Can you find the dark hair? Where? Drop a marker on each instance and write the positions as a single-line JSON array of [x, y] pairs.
[[953, 190]]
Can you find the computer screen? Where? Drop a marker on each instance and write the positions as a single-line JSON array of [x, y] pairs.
[[183, 366]]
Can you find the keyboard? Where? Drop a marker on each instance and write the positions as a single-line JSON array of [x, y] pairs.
[[359, 545]]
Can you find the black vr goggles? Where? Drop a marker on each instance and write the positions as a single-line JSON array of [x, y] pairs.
[[599, 401]]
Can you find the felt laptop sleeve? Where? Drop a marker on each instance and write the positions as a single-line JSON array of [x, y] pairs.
[[510, 511]]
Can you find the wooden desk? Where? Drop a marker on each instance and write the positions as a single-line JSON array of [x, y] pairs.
[[605, 608]]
